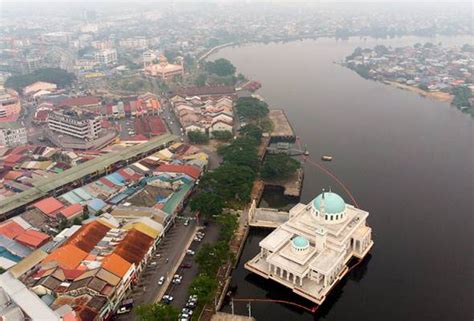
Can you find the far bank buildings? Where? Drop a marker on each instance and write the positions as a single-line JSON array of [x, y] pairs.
[[309, 253]]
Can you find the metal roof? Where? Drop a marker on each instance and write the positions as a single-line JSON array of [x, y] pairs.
[[43, 187]]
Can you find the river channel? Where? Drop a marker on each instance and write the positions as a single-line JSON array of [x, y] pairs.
[[408, 160]]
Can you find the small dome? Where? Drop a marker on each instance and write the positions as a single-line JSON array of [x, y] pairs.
[[333, 203], [300, 242]]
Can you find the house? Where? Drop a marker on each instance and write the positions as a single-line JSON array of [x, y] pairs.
[[220, 125], [71, 212]]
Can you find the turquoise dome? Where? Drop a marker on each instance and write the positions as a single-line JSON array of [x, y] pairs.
[[333, 203], [300, 242]]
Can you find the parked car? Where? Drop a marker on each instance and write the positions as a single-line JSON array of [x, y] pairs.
[[190, 252], [186, 265], [161, 280], [123, 310]]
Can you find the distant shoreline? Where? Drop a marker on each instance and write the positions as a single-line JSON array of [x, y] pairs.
[[437, 95]]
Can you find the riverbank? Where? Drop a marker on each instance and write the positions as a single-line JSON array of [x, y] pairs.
[[436, 95]]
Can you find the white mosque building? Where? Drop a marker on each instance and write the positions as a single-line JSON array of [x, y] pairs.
[[309, 253]]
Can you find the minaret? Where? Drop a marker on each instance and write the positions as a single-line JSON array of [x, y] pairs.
[[321, 211]]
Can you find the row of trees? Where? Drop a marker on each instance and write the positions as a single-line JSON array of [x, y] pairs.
[[57, 76], [218, 72]]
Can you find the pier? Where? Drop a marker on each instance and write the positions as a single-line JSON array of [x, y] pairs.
[[282, 130], [266, 217]]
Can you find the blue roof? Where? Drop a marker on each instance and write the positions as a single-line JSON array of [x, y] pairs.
[[300, 242], [13, 250], [82, 194], [333, 203], [71, 197], [96, 204], [116, 178]]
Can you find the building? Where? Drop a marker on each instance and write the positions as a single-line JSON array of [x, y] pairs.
[[12, 134], [84, 126], [39, 86], [106, 57], [309, 253], [10, 105], [163, 69]]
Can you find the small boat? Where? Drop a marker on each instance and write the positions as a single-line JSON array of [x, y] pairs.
[[326, 158]]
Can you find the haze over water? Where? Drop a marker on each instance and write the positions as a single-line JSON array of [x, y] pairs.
[[408, 160]]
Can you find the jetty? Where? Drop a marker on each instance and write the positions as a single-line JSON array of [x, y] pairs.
[[282, 130], [266, 217]]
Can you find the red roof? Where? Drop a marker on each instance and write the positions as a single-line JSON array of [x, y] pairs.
[[71, 210], [42, 115], [138, 137], [13, 175], [106, 182], [189, 170], [11, 229], [32, 238], [49, 206]]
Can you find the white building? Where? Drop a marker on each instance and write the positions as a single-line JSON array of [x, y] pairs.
[[309, 253], [163, 69], [106, 57], [12, 134], [75, 124]]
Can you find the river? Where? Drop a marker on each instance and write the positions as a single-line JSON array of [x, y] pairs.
[[408, 160]]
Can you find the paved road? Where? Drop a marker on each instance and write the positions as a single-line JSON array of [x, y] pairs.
[[171, 248], [180, 292]]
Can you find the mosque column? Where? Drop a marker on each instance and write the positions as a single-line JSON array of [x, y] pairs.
[[301, 281]]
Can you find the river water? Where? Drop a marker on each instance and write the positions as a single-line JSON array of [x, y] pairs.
[[408, 160]]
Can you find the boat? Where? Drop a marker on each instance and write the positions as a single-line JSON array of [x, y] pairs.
[[326, 158]]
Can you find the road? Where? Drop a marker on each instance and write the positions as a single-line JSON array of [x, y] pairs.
[[173, 245], [180, 292]]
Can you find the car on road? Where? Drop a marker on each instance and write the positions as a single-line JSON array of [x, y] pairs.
[[123, 310], [161, 280], [187, 311], [167, 299], [186, 265], [153, 263], [177, 279], [190, 252]]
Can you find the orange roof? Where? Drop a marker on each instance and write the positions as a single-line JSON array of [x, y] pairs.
[[71, 210], [32, 238], [67, 256], [134, 246], [49, 205], [117, 265], [87, 237], [11, 229], [13, 175]]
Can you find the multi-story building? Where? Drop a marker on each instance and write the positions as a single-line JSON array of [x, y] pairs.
[[12, 134], [106, 57], [310, 252], [163, 69], [10, 105], [74, 123]]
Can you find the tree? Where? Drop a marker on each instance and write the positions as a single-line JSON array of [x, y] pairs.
[[207, 204], [228, 223], [224, 135], [242, 151], [77, 221], [253, 131], [156, 311], [201, 80], [221, 67], [279, 166], [170, 54], [197, 137], [204, 287], [58, 76], [230, 181], [251, 108]]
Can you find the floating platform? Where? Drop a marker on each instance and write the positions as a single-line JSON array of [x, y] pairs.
[[282, 130]]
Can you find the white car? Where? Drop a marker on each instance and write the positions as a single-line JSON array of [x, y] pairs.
[[190, 252], [161, 280], [123, 310]]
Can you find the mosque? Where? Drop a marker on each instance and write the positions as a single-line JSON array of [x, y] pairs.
[[309, 253]]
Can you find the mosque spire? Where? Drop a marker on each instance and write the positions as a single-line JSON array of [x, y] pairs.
[[322, 205]]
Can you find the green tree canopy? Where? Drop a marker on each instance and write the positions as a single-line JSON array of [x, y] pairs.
[[221, 67], [230, 181], [201, 80], [207, 204], [279, 166], [197, 137], [57, 76], [242, 151], [223, 135], [253, 131], [156, 311], [204, 287], [251, 108]]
